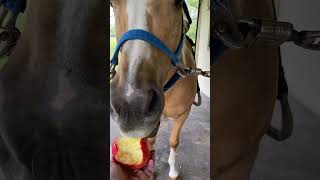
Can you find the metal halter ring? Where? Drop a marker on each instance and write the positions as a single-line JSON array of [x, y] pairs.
[[181, 70], [194, 72]]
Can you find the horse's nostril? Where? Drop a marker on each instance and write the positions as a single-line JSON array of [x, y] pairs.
[[139, 105], [153, 102]]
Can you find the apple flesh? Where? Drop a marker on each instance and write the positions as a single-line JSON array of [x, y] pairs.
[[133, 153]]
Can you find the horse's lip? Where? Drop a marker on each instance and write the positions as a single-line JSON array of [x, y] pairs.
[[155, 131]]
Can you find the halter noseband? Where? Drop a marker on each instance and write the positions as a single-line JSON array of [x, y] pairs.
[[153, 40]]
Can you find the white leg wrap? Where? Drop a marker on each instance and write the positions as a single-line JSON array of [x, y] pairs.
[[173, 173]]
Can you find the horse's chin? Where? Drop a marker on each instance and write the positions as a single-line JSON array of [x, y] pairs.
[[142, 133]]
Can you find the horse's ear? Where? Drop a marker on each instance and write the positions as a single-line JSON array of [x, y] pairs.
[[110, 2]]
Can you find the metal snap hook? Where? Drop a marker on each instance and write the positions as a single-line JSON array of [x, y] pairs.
[[205, 73], [308, 40]]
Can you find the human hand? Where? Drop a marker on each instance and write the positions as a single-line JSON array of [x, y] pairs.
[[117, 172]]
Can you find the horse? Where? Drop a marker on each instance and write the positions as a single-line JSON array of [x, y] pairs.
[[245, 88], [53, 94], [137, 97]]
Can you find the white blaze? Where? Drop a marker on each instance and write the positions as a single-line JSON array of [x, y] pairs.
[[173, 173], [136, 50]]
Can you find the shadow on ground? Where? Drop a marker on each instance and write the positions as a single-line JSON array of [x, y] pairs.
[[297, 158]]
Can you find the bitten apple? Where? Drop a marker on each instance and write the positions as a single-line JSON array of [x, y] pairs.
[[133, 153]]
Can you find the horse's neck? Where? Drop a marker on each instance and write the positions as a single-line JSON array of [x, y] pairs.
[[70, 34], [188, 58]]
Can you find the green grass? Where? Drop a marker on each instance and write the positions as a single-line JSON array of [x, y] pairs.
[[113, 43]]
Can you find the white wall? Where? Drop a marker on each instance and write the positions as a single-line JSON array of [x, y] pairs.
[[203, 49], [302, 67]]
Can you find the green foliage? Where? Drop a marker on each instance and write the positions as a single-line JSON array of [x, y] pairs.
[[113, 43], [112, 30], [193, 9], [192, 32], [3, 61], [193, 3]]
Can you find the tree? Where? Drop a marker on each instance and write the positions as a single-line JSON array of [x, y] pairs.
[[193, 10]]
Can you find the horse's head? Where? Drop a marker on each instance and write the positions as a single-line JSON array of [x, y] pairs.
[[137, 97]]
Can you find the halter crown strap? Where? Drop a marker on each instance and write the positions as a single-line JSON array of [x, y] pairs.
[[150, 38], [186, 12]]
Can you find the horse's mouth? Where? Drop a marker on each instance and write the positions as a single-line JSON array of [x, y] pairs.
[[143, 133], [155, 131]]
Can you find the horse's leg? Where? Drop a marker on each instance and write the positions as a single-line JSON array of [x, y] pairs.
[[239, 169], [174, 142]]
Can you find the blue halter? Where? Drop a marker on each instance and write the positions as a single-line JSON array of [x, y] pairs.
[[153, 40], [140, 34]]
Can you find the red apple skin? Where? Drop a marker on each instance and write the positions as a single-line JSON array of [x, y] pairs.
[[145, 151]]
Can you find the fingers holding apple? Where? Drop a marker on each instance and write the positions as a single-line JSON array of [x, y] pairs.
[[132, 153]]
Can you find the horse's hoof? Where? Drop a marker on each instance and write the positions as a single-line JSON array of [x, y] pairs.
[[174, 178]]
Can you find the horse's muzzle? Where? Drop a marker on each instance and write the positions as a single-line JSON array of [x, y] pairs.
[[137, 113]]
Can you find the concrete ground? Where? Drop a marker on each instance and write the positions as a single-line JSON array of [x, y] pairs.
[[297, 158], [194, 149]]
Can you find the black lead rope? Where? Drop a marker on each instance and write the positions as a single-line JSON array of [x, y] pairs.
[[198, 86], [193, 45], [186, 12], [286, 114]]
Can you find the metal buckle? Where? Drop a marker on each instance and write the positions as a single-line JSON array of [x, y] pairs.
[[196, 72], [181, 70]]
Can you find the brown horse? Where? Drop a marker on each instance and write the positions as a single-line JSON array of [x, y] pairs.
[[53, 94], [137, 96], [244, 92]]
